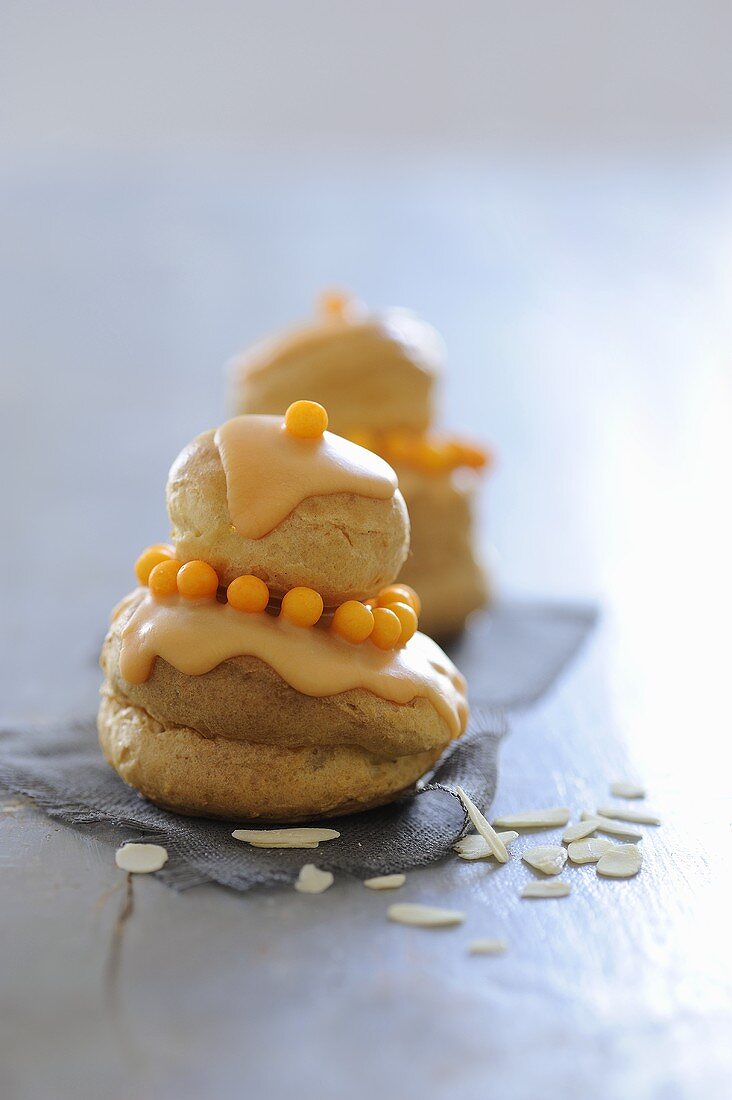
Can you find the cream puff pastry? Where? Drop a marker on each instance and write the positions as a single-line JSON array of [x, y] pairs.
[[266, 668], [377, 373]]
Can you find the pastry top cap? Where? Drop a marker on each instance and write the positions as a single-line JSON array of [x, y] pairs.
[[407, 337], [287, 501], [363, 365], [270, 469]]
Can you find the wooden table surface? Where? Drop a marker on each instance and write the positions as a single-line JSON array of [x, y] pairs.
[[587, 313]]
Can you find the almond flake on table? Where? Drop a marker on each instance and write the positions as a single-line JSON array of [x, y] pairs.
[[483, 826], [474, 846], [546, 889], [385, 882], [487, 947], [612, 826], [312, 880], [637, 817], [548, 858], [589, 851], [578, 831], [623, 862], [626, 790], [534, 819], [141, 859], [11, 807], [285, 838], [424, 916]]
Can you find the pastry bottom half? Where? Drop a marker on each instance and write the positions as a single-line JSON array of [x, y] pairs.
[[183, 770], [443, 566]]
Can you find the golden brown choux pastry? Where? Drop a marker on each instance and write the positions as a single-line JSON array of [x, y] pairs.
[[344, 545], [376, 372], [450, 580], [373, 371], [224, 698]]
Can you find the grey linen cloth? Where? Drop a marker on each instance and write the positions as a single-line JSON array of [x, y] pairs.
[[510, 656]]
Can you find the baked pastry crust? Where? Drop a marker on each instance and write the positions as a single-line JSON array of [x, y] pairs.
[[244, 699], [376, 372], [240, 742], [442, 565], [180, 769], [344, 546]]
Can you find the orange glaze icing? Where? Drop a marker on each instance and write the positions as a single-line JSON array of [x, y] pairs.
[[197, 635], [269, 471]]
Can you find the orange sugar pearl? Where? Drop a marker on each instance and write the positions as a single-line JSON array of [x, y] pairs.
[[353, 621], [435, 456], [197, 580], [387, 628], [470, 455], [302, 606], [400, 445], [408, 619], [306, 419], [163, 579], [248, 593], [334, 303], [399, 593], [149, 558]]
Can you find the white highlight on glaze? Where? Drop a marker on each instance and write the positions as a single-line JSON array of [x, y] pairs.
[[547, 858], [636, 817], [534, 819], [474, 846], [385, 882], [627, 790], [424, 916], [483, 826], [623, 861], [141, 859], [197, 635], [547, 888], [589, 851], [487, 947], [285, 838], [312, 880], [269, 471]]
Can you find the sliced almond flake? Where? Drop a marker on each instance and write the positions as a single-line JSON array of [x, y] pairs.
[[285, 838], [623, 862], [11, 807], [424, 916], [482, 826], [312, 880], [546, 889], [141, 859], [474, 846], [638, 817], [534, 819], [385, 882], [549, 858], [487, 947], [626, 790], [578, 831], [613, 827], [589, 851]]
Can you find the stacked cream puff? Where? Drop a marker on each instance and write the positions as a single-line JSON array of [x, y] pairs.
[[267, 666], [376, 373]]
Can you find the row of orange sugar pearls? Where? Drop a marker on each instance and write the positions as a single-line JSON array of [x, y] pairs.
[[389, 620], [431, 453]]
